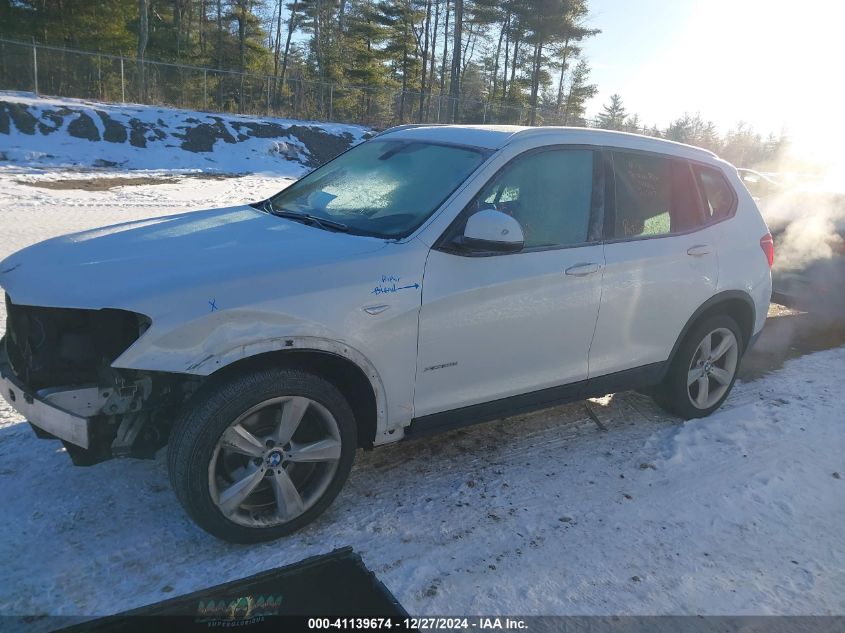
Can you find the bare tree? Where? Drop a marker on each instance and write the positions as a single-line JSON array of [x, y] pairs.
[[277, 45], [143, 38], [502, 30], [455, 79], [443, 59], [427, 28], [292, 20], [433, 49]]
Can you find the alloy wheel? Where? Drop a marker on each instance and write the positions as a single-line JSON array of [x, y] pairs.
[[712, 368], [275, 461]]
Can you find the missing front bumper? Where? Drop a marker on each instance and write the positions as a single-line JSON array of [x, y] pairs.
[[95, 423], [43, 414]]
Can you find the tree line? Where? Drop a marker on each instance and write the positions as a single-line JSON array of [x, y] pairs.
[[741, 145], [387, 61], [375, 62]]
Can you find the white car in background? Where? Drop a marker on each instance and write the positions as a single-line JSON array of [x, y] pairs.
[[759, 185], [431, 277]]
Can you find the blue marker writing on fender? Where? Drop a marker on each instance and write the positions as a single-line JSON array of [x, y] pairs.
[[389, 284]]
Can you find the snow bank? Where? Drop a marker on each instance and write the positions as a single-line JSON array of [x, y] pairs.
[[55, 132]]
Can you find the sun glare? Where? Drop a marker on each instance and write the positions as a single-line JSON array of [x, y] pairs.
[[786, 61], [774, 65]]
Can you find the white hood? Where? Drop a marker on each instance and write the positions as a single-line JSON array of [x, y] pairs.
[[131, 265]]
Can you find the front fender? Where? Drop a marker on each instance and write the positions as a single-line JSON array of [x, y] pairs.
[[211, 343]]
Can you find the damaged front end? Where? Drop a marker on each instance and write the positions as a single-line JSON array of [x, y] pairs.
[[55, 369]]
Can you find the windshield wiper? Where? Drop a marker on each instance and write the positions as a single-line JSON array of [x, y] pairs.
[[307, 218]]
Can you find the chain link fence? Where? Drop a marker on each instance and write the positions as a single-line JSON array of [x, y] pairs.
[[63, 72]]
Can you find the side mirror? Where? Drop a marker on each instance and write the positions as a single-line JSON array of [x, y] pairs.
[[491, 230]]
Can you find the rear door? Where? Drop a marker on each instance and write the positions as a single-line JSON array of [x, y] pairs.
[[496, 325], [660, 260]]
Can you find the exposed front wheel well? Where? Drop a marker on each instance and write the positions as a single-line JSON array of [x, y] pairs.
[[345, 375]]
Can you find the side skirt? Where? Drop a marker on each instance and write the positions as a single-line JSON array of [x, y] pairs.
[[435, 423]]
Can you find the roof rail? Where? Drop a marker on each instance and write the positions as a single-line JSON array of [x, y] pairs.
[[539, 130], [408, 126]]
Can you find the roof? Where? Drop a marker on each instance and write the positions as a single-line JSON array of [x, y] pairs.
[[497, 136]]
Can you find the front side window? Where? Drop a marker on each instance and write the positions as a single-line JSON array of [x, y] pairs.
[[655, 196], [549, 193], [384, 188]]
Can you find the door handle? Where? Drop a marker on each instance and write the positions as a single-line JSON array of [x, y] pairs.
[[698, 250], [582, 270]]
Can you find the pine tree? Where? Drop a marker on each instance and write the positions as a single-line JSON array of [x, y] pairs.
[[400, 48], [580, 91], [457, 49], [570, 49], [364, 65], [613, 114], [632, 124]]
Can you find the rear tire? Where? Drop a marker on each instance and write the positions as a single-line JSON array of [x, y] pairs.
[[260, 455], [703, 370]]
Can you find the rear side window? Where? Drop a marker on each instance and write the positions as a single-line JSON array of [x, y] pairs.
[[655, 196], [549, 193], [718, 196]]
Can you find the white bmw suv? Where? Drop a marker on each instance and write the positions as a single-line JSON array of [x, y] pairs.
[[431, 277]]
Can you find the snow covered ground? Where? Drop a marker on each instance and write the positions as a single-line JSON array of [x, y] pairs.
[[549, 513], [75, 133]]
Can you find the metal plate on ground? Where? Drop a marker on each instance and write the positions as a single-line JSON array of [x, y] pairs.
[[334, 585]]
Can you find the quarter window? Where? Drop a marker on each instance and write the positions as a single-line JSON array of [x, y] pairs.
[[654, 196], [717, 193], [549, 193]]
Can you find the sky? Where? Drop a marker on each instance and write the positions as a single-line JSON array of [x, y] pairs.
[[776, 65]]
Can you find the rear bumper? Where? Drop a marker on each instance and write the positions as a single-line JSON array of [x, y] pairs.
[[40, 412]]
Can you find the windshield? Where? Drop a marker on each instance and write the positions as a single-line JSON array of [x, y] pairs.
[[384, 188]]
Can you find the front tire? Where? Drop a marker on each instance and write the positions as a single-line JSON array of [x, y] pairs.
[[704, 369], [258, 456]]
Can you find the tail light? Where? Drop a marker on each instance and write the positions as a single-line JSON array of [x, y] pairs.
[[768, 246]]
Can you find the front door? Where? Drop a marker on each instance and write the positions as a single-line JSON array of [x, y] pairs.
[[494, 326]]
